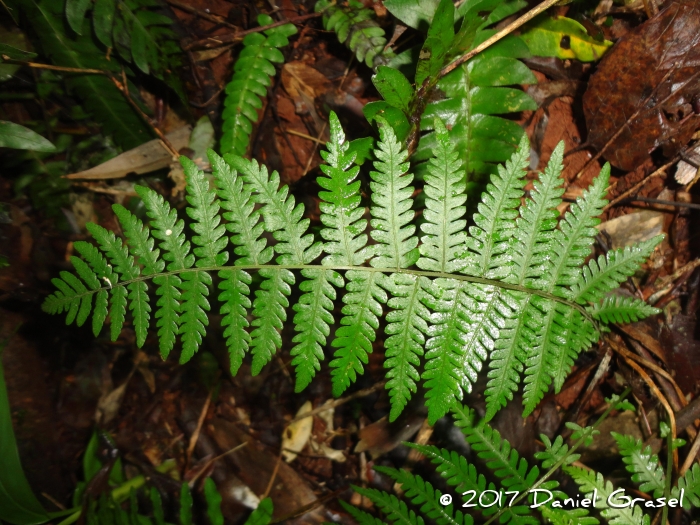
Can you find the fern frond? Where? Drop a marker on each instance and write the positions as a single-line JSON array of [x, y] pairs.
[[589, 480], [531, 246], [605, 274], [355, 27], [620, 309], [557, 516], [496, 452], [392, 204], [541, 317], [361, 517], [406, 326], [252, 75], [495, 219], [395, 509], [555, 452], [421, 493], [462, 475], [444, 208], [690, 484], [643, 465]]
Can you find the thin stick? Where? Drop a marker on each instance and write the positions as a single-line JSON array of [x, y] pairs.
[[214, 41], [662, 399], [55, 68], [272, 478], [532, 13], [124, 89], [192, 482], [207, 16], [636, 187], [302, 135], [338, 402], [195, 434], [690, 459]]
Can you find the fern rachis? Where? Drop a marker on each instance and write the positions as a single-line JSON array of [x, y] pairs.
[[461, 298]]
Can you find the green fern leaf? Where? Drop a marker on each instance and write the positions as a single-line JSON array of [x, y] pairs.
[[345, 245], [422, 493], [252, 75], [244, 222], [361, 517], [176, 252], [619, 309], [496, 452], [406, 326], [605, 274], [488, 240], [555, 452], [589, 480], [392, 204], [262, 515], [643, 465], [395, 509], [689, 483], [356, 28], [444, 208]]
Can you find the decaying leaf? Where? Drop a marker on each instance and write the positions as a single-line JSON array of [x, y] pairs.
[[686, 172], [297, 434], [564, 38], [145, 158], [633, 227], [646, 88]]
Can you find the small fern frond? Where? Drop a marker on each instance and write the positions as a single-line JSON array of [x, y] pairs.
[[406, 328], [620, 309], [643, 465], [421, 493], [607, 272], [252, 75], [444, 207], [531, 244], [395, 509], [689, 483], [557, 516], [360, 516], [495, 219], [589, 480], [496, 452], [555, 452], [355, 27], [392, 204]]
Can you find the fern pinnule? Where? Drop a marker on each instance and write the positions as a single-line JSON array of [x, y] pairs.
[[360, 516], [690, 484]]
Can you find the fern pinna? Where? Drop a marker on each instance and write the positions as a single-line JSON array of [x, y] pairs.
[[252, 74], [511, 290]]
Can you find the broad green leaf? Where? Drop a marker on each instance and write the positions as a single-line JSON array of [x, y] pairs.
[[393, 87], [362, 149], [211, 494], [103, 20], [18, 504], [18, 137], [417, 14], [75, 14], [440, 36], [394, 116], [262, 515], [15, 53], [564, 38]]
